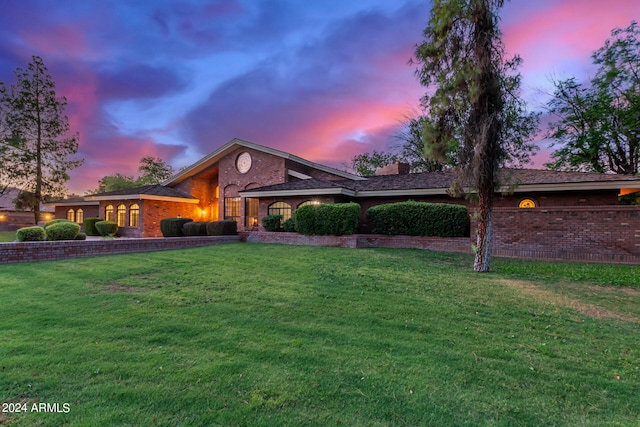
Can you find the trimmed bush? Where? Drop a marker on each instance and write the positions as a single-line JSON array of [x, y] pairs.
[[420, 219], [195, 228], [222, 228], [30, 234], [334, 219], [107, 228], [81, 236], [55, 221], [172, 227], [90, 226], [272, 222], [289, 225], [62, 231]]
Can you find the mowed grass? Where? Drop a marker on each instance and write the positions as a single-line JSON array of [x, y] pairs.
[[274, 335], [7, 236]]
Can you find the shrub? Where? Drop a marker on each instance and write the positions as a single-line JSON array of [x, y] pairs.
[[289, 225], [327, 219], [66, 230], [420, 219], [81, 236], [272, 222], [30, 234], [222, 228], [54, 222], [107, 228], [90, 226], [172, 227], [194, 228]]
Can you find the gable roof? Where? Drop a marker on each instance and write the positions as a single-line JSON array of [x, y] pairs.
[[146, 192], [438, 183], [213, 157]]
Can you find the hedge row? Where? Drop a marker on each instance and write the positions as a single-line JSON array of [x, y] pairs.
[[420, 219], [58, 229], [177, 227], [334, 219]]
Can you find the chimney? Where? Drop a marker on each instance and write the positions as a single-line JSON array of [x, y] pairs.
[[394, 169]]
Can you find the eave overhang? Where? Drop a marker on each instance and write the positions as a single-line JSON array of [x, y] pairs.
[[145, 197], [335, 191]]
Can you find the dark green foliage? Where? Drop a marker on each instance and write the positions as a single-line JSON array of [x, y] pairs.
[[272, 222], [55, 221], [195, 228], [107, 228], [81, 236], [222, 228], [172, 227], [66, 230], [90, 226], [30, 234], [289, 225], [334, 219], [420, 219]]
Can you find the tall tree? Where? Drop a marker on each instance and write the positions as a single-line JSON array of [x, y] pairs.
[[40, 148], [598, 124], [153, 170], [473, 105], [366, 164]]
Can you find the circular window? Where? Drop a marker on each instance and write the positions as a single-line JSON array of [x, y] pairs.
[[243, 163], [526, 204]]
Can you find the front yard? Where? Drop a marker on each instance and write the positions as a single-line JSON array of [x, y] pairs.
[[264, 335]]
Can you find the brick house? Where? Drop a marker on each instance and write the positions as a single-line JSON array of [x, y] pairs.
[[244, 181]]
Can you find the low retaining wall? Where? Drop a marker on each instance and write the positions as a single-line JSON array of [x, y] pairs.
[[44, 251]]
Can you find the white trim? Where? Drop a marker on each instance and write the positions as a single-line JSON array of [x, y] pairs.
[[309, 192], [571, 186], [216, 155], [73, 203], [298, 175], [145, 197]]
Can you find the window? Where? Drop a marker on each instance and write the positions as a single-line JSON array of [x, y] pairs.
[[280, 208], [527, 204], [308, 202], [122, 215], [71, 215], [134, 215], [79, 216], [251, 212], [232, 208], [108, 213]]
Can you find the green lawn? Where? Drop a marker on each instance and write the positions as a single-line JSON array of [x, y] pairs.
[[7, 236], [274, 335]]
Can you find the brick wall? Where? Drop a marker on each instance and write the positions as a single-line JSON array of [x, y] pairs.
[[43, 251], [580, 233]]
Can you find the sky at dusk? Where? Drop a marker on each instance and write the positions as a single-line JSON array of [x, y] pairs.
[[321, 79]]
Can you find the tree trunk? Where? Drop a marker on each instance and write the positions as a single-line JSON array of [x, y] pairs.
[[484, 232]]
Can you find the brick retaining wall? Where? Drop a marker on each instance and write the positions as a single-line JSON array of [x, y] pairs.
[[43, 251], [570, 233]]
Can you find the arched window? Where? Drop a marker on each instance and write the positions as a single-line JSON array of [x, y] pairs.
[[71, 215], [280, 208], [308, 202], [122, 215], [527, 204], [108, 213], [79, 216], [134, 215]]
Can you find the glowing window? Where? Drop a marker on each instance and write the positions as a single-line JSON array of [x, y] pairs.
[[280, 208], [527, 204], [71, 215], [108, 213], [232, 209], [79, 216], [134, 215], [122, 215]]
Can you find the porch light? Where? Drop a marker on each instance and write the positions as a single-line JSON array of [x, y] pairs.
[[3, 217]]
